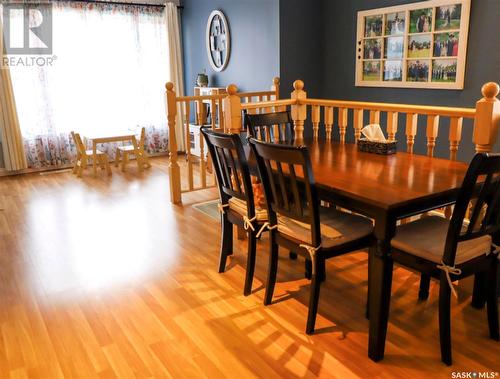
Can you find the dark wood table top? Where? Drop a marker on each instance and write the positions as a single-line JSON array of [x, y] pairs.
[[383, 182]]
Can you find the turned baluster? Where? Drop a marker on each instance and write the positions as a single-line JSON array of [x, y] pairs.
[[358, 123], [342, 123], [173, 165], [411, 131], [392, 125], [455, 136], [328, 122], [315, 117], [276, 88], [374, 117], [188, 146], [432, 132], [299, 111]]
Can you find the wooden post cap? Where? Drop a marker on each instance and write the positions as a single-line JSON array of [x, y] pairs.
[[232, 89], [276, 80], [169, 86], [298, 85], [490, 90]]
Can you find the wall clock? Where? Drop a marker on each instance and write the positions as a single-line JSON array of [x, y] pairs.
[[218, 40]]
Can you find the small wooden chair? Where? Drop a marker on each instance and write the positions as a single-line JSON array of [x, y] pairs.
[[270, 127], [83, 156], [140, 155], [450, 250]]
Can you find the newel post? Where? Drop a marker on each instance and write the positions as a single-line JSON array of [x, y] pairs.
[[232, 110], [276, 88], [487, 120], [299, 111], [173, 166]]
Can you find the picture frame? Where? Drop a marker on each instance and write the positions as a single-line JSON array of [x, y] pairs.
[[417, 45]]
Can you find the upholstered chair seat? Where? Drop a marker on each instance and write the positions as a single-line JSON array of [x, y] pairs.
[[426, 239], [240, 207], [336, 227]]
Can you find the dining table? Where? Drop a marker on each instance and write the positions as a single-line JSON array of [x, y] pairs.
[[98, 139], [385, 188]]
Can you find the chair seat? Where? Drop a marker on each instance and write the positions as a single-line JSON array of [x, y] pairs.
[[91, 152], [240, 206], [426, 238], [336, 227], [127, 148]]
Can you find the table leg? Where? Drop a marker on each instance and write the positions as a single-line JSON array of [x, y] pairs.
[[94, 158], [380, 279]]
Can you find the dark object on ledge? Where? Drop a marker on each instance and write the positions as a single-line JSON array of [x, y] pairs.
[[383, 148]]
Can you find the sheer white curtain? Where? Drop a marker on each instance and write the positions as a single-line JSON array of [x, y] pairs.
[[111, 66]]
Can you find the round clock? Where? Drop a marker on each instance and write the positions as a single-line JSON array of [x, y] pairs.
[[218, 40]]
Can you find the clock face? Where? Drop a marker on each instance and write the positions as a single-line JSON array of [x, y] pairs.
[[218, 40]]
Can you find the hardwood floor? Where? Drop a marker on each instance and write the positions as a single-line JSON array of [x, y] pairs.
[[104, 278]]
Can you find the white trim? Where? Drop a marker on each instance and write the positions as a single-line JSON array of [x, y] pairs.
[[462, 45], [228, 40]]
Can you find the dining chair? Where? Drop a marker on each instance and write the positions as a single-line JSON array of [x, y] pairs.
[[238, 205], [299, 223], [140, 155], [453, 249], [270, 127], [83, 156]]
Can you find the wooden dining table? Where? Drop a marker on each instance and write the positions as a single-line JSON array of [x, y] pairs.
[[386, 189]]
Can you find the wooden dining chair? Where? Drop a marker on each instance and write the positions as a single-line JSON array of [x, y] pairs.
[[299, 223], [138, 151], [237, 203], [270, 127], [449, 250], [83, 156]]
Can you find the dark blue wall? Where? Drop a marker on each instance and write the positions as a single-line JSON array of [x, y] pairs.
[[254, 27], [483, 65]]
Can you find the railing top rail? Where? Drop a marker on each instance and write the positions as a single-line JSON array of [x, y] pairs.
[[394, 107], [200, 97], [268, 104], [256, 93]]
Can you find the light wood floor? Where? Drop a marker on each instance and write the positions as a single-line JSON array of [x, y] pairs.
[[104, 278]]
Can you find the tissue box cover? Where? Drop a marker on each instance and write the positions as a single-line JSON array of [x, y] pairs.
[[384, 148]]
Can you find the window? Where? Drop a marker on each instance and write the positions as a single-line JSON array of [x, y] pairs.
[[108, 76]]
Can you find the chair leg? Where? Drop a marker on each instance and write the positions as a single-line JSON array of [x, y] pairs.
[[479, 290], [79, 170], [226, 248], [101, 162], [308, 269], [252, 246], [492, 299], [444, 319], [272, 269], [319, 264], [425, 281]]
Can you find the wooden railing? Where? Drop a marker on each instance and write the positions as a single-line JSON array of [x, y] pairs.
[[184, 180], [332, 116]]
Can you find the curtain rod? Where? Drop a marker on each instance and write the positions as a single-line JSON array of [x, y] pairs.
[[122, 3]]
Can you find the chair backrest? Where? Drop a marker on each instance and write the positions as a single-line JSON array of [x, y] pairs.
[[231, 167], [80, 147], [270, 127], [481, 188], [282, 168], [142, 140]]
